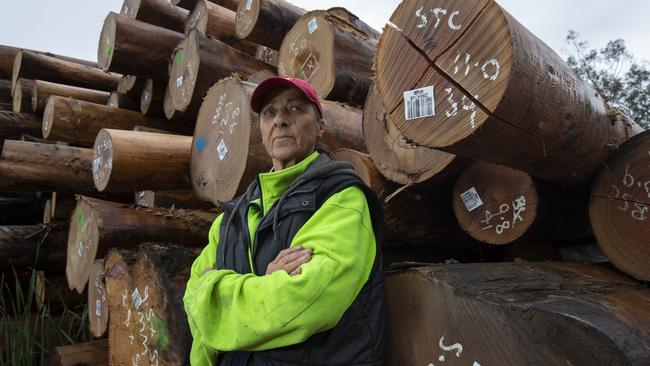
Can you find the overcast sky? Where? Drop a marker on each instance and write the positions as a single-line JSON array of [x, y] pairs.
[[72, 27]]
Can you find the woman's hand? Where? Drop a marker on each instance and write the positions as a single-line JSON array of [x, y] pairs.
[[290, 260]]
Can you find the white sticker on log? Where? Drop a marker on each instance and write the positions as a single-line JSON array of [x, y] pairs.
[[312, 25], [222, 149], [419, 103], [98, 307], [249, 4], [179, 81], [471, 199]]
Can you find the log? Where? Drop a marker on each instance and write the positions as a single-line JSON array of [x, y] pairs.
[[117, 276], [175, 199], [22, 98], [215, 21], [158, 323], [78, 122], [8, 54], [494, 314], [38, 246], [32, 166], [13, 125], [404, 221], [137, 48], [495, 86], [190, 4], [40, 67], [235, 139], [44, 89], [619, 207], [98, 311], [198, 63], [333, 54], [156, 12], [267, 55], [96, 226], [152, 99], [6, 101], [398, 159], [93, 353], [123, 101], [118, 157], [130, 83], [266, 22]]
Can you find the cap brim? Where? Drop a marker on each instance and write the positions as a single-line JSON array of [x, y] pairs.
[[267, 86]]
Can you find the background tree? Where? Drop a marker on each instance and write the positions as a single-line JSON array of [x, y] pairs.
[[614, 72]]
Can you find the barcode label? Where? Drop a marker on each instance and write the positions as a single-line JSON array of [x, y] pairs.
[[98, 307], [471, 199], [222, 150], [419, 103], [312, 25]]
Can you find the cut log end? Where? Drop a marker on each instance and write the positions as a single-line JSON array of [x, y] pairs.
[[18, 96], [97, 300], [168, 105], [198, 17], [107, 42], [130, 8], [127, 83], [15, 72], [247, 14], [82, 246], [495, 204], [102, 160], [183, 72], [146, 97], [48, 117]]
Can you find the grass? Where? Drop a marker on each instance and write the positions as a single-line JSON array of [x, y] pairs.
[[27, 334]]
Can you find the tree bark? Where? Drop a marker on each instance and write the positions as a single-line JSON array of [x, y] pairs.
[[619, 207], [176, 199], [32, 166], [44, 89], [198, 63], [13, 125], [266, 22], [98, 311], [502, 95], [96, 226], [38, 246], [6, 101], [137, 48], [8, 54], [494, 314], [333, 54], [218, 22], [78, 122], [190, 4], [22, 98], [123, 101], [40, 67], [237, 142], [156, 12], [81, 354], [118, 157]]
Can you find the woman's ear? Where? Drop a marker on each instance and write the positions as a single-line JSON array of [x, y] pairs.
[[320, 128]]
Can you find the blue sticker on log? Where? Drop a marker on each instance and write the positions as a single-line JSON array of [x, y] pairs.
[[200, 144]]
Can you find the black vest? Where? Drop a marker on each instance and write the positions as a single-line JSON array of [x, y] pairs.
[[358, 337]]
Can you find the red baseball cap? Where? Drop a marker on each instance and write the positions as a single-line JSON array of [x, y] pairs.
[[276, 82]]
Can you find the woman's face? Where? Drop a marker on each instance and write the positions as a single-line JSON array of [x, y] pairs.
[[290, 127]]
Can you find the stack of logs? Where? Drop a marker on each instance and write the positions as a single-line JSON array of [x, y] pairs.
[[481, 143]]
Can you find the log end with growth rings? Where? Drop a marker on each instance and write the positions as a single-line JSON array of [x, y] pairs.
[[246, 18], [48, 117], [97, 300], [82, 245], [18, 96], [106, 42], [184, 71], [198, 17], [102, 160]]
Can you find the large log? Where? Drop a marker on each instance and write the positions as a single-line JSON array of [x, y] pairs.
[[156, 12], [40, 67], [93, 353], [331, 52], [190, 4], [198, 63], [118, 157], [620, 206], [22, 98], [32, 166], [157, 323], [44, 89], [38, 246], [98, 311], [13, 125], [78, 122], [227, 151], [134, 47], [404, 221], [266, 22], [400, 160], [8, 54], [516, 314], [176, 199], [218, 22], [469, 79], [123, 101], [96, 226]]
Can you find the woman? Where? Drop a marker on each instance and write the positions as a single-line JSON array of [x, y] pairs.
[[292, 272]]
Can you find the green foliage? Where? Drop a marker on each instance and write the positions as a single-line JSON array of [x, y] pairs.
[[614, 72], [27, 335]]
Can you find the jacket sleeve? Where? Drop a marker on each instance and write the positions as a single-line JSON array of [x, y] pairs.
[[231, 311]]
